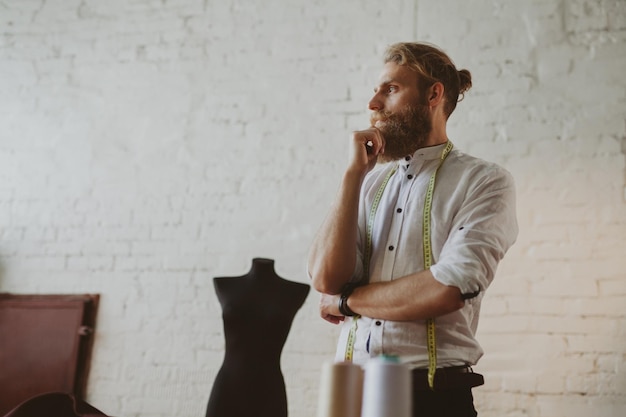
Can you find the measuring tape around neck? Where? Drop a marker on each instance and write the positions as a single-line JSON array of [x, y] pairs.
[[426, 237]]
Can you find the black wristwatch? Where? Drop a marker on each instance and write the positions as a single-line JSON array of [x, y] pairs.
[[343, 300]]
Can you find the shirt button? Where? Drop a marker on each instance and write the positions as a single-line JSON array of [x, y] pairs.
[[378, 323], [391, 247], [399, 210], [409, 176]]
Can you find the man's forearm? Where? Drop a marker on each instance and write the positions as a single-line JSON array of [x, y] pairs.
[[333, 253], [414, 297]]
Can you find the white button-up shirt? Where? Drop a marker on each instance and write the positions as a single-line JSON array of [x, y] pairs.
[[473, 224]]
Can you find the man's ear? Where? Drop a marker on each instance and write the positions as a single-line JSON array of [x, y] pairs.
[[435, 94]]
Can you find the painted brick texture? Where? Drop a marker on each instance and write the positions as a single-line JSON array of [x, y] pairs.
[[149, 146]]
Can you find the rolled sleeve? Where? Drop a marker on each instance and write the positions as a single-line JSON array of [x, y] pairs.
[[481, 233]]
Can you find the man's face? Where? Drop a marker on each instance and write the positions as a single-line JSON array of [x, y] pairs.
[[399, 112]]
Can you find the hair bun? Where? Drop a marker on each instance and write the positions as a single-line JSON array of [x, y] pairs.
[[465, 81]]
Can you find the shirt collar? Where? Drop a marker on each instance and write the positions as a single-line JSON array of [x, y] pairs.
[[423, 154]]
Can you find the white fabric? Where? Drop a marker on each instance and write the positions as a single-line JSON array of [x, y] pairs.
[[473, 223]]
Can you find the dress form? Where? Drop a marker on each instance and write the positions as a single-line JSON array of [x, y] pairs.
[[257, 310]]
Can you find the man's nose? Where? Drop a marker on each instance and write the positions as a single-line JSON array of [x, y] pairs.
[[375, 104]]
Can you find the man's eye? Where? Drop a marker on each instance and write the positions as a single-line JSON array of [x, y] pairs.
[[392, 89]]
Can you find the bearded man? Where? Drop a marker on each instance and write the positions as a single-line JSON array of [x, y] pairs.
[[415, 235]]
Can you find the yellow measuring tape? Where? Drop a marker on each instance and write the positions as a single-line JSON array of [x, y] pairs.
[[430, 323], [366, 258], [428, 258]]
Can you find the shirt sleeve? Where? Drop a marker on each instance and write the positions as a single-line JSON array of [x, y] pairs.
[[368, 189], [481, 232], [357, 275]]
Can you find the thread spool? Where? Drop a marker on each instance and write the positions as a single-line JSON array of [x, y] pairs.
[[387, 389], [341, 390]]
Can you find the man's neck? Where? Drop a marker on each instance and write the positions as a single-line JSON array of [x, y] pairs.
[[437, 135], [435, 141]]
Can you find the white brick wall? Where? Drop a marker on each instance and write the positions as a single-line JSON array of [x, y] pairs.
[[149, 146]]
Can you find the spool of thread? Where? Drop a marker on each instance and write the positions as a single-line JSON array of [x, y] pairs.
[[387, 389], [341, 390]]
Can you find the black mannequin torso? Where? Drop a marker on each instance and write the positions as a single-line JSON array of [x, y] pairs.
[[257, 309]]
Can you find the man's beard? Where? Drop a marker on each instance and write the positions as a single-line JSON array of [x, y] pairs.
[[404, 131]]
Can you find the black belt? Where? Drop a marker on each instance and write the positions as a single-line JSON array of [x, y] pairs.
[[454, 377]]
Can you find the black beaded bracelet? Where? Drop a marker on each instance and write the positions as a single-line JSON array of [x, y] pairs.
[[343, 301]]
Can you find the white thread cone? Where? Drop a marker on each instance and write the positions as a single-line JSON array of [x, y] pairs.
[[387, 389], [341, 390]]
